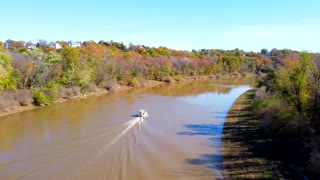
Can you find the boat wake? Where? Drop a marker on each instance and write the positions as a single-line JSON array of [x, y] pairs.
[[122, 128], [130, 124]]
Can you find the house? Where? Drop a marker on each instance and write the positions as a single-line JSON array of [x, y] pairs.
[[57, 45], [51, 45], [30, 45], [54, 45], [6, 45], [74, 44]]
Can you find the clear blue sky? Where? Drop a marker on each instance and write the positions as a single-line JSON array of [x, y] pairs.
[[177, 24]]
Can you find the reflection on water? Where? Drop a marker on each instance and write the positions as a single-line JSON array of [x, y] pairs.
[[194, 88], [96, 138]]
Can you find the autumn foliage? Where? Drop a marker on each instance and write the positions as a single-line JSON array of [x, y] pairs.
[[95, 65]]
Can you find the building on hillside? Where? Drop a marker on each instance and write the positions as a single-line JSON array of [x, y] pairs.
[[74, 43], [55, 45], [6, 45], [51, 45], [30, 45]]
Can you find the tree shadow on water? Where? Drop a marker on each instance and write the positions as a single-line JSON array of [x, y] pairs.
[[202, 130], [205, 165], [211, 161]]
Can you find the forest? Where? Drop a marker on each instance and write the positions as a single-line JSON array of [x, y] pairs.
[[287, 105], [42, 73]]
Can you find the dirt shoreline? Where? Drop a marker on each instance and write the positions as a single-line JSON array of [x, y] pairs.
[[98, 92], [246, 152]]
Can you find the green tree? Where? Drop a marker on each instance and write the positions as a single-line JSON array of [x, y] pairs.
[[70, 60], [292, 81], [299, 82], [264, 51], [51, 64], [84, 76], [7, 80], [213, 69], [1, 46]]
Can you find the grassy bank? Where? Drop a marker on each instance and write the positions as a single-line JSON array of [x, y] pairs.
[[247, 153]]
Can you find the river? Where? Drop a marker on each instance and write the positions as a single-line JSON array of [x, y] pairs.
[[100, 138]]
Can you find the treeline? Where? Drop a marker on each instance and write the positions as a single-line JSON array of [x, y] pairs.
[[46, 73], [288, 105]]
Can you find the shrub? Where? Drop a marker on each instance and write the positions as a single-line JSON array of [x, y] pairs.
[[51, 89], [282, 124], [168, 79], [92, 87], [7, 100], [133, 82], [142, 81], [24, 97], [69, 92], [120, 77], [112, 85], [40, 98], [261, 93], [259, 106], [178, 78], [12, 98], [275, 116]]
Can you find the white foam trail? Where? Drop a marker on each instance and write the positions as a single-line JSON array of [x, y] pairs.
[[29, 171], [129, 125], [102, 151]]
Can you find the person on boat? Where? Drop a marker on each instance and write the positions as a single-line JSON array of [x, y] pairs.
[[142, 113]]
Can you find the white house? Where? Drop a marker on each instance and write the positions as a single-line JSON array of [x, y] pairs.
[[74, 44], [54, 45], [30, 45], [57, 45]]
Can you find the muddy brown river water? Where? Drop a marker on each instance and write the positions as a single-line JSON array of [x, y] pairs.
[[99, 137]]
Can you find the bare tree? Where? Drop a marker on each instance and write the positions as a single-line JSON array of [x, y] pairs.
[[42, 43]]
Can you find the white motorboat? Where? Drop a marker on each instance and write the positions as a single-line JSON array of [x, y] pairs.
[[143, 113]]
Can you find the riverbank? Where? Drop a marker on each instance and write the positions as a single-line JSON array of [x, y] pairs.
[[97, 92], [246, 152], [148, 83]]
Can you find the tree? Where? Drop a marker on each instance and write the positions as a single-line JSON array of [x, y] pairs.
[[314, 85], [70, 60], [15, 46], [292, 81], [43, 44], [233, 63], [51, 66], [95, 57], [1, 46], [70, 57], [274, 52], [7, 80], [264, 51]]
